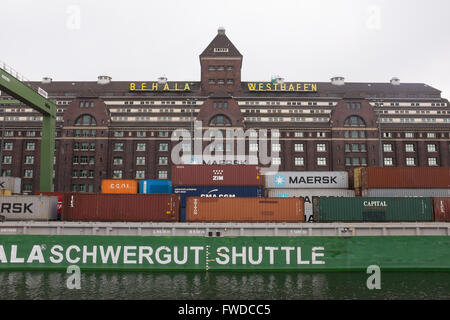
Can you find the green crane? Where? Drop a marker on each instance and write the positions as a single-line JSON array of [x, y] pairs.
[[27, 95]]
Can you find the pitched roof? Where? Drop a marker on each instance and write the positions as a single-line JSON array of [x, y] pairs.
[[221, 46]]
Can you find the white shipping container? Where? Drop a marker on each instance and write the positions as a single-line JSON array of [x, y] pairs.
[[10, 183], [307, 180], [308, 194], [437, 193], [29, 208]]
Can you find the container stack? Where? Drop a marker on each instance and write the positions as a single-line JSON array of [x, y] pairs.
[[308, 185], [221, 186], [402, 182]]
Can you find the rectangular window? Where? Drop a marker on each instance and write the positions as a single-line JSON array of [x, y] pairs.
[[321, 161], [164, 133], [364, 161], [363, 147], [299, 161], [9, 133], [348, 161], [140, 160], [84, 146], [276, 161], [75, 160], [298, 147], [162, 175], [355, 161], [74, 188], [140, 174], [321, 147], [140, 147], [387, 135], [431, 135], [92, 146], [163, 147], [82, 187], [8, 146], [84, 160], [118, 146], [118, 134], [29, 159], [409, 135], [432, 162], [31, 133], [388, 162], [253, 147], [320, 134], [163, 161], [355, 147], [298, 134], [276, 147], [30, 146], [118, 160], [6, 173], [409, 147], [117, 174], [91, 174], [141, 134], [28, 174], [387, 147], [431, 148], [7, 159], [410, 162]]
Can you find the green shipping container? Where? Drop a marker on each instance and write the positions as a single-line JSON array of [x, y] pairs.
[[331, 209]]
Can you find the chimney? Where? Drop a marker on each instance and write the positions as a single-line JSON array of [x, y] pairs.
[[104, 79], [338, 81]]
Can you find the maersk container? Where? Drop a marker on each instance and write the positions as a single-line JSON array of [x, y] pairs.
[[307, 195], [121, 207], [28, 208], [215, 192], [413, 192], [10, 183], [402, 178], [217, 175], [244, 210], [308, 180], [441, 209], [376, 209], [155, 186]]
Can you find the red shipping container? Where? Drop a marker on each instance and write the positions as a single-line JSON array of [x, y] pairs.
[[441, 209], [122, 207], [217, 175], [403, 178], [245, 209]]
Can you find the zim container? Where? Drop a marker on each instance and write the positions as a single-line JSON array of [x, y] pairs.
[[307, 180], [121, 207], [412, 192], [441, 209], [402, 178], [10, 183], [217, 175], [120, 186], [28, 208], [307, 195], [244, 209], [155, 186], [377, 209]]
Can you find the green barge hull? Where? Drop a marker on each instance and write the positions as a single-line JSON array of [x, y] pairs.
[[233, 253]]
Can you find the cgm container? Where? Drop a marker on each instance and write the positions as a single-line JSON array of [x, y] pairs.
[[121, 207], [377, 209], [413, 192], [308, 180], [307, 195], [441, 209], [10, 183], [244, 210], [217, 175], [402, 178], [29, 208], [120, 186], [155, 186]]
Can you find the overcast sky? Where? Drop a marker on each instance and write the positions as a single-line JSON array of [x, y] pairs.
[[364, 41]]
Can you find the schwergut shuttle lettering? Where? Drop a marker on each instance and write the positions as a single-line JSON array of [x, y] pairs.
[[161, 255]]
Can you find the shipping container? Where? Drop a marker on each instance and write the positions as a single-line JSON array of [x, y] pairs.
[[244, 209], [217, 175], [5, 193], [11, 183], [357, 178], [382, 209], [120, 186], [155, 186], [121, 207], [307, 195], [441, 209], [413, 192], [307, 180], [215, 192], [59, 196], [402, 178], [28, 208]]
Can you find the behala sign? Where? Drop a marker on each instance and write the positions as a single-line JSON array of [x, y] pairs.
[[155, 86]]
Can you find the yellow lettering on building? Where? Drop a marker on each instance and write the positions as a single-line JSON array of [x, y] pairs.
[[143, 86], [276, 86], [314, 87], [269, 87], [166, 87], [155, 86], [132, 86], [260, 87], [186, 87], [176, 86], [251, 86], [291, 87], [306, 87], [299, 87], [283, 87]]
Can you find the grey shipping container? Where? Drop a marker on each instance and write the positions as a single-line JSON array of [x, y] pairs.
[[10, 183], [308, 194], [308, 180], [30, 208], [406, 193]]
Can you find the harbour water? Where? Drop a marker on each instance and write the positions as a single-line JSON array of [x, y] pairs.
[[52, 285]]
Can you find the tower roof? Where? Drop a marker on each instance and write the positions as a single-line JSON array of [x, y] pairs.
[[221, 46]]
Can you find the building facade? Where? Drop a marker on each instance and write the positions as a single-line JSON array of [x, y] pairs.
[[125, 130]]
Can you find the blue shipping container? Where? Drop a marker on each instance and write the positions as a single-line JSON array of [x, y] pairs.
[[155, 186], [215, 191]]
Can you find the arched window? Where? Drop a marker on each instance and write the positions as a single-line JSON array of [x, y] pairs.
[[220, 120], [354, 121], [85, 120]]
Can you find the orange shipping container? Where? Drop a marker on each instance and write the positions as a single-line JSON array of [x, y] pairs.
[[441, 209], [245, 209], [120, 186]]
